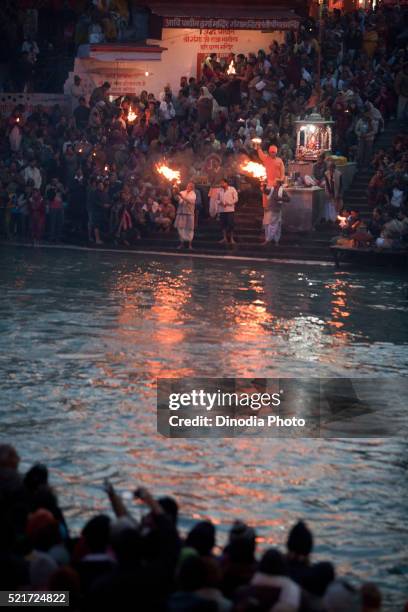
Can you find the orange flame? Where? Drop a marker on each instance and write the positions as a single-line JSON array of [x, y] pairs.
[[168, 173], [131, 115], [342, 221], [231, 68], [256, 170]]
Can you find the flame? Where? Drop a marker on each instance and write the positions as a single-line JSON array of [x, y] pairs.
[[168, 173], [256, 170], [342, 221], [231, 68], [132, 116]]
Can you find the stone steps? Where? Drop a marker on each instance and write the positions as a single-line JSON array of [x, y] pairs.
[[312, 246], [356, 196], [300, 247], [244, 241], [271, 252]]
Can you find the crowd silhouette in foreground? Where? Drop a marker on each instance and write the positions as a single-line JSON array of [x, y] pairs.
[[120, 563]]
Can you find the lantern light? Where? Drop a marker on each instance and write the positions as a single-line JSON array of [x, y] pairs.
[[314, 136]]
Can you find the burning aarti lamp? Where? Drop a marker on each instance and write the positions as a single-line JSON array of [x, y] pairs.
[[255, 170], [313, 137], [231, 68], [131, 116], [342, 221], [171, 175]]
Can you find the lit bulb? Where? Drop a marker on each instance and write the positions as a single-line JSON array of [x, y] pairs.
[[147, 73], [311, 128]]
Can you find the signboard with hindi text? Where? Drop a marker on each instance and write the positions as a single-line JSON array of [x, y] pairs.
[[183, 51], [220, 23]]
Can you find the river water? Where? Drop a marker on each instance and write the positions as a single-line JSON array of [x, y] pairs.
[[84, 335]]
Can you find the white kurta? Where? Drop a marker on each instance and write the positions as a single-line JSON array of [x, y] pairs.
[[185, 216], [272, 219], [227, 199]]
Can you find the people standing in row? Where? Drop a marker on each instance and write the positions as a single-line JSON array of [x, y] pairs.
[[274, 166], [333, 184], [227, 200], [273, 195], [77, 92], [401, 89], [38, 216], [185, 214], [366, 132], [273, 200]]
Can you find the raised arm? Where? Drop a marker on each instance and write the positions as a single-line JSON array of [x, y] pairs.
[[262, 155], [116, 501]]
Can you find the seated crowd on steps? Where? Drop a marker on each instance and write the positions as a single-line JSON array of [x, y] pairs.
[[90, 175]]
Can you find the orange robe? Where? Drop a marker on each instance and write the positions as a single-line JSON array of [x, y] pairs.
[[275, 168]]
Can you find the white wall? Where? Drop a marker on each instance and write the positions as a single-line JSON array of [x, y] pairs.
[[185, 48], [185, 45]]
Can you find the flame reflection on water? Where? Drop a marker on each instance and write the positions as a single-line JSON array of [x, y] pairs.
[[84, 339]]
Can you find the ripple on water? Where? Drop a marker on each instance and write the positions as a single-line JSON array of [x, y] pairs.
[[84, 338]]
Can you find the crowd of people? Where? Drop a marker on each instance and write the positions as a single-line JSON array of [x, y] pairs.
[[36, 42], [118, 562], [387, 197], [38, 37], [387, 201], [91, 173]]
